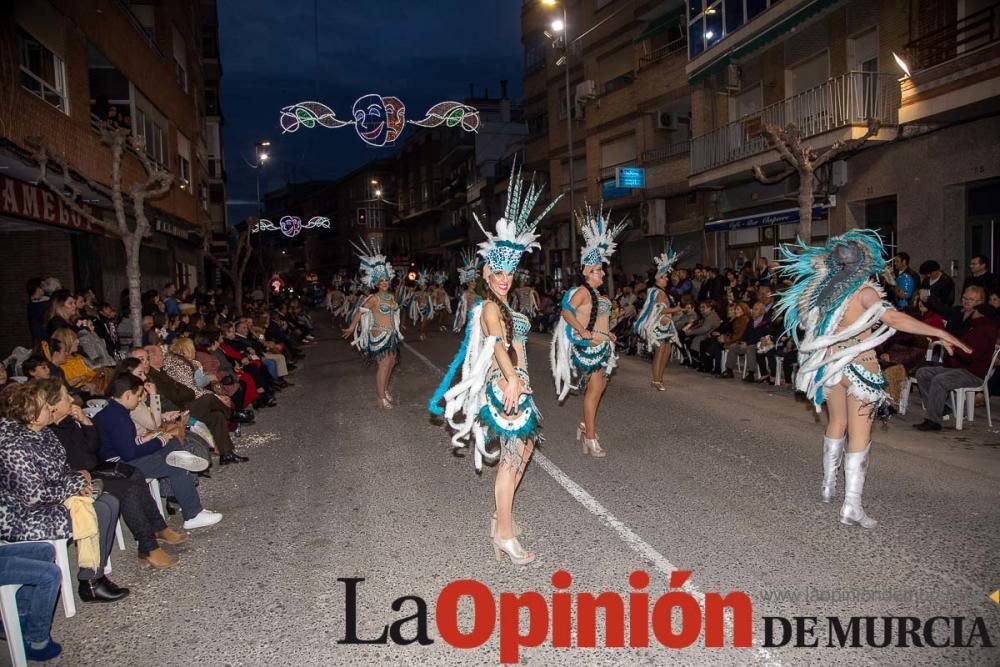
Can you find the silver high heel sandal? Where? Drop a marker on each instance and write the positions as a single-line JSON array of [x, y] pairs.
[[513, 549], [581, 430], [593, 447], [833, 455], [855, 470], [513, 523], [386, 404]]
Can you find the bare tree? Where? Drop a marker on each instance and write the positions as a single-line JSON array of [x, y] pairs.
[[804, 161], [156, 184], [239, 257]]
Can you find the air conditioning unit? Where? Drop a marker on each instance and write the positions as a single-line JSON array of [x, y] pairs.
[[653, 214], [666, 120], [586, 90]]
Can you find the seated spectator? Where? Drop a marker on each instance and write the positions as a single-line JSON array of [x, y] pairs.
[[156, 455], [62, 313], [82, 443], [729, 333], [37, 485], [958, 318], [962, 369], [240, 387], [695, 333], [36, 367], [745, 349], [75, 370], [936, 286], [206, 408], [910, 350], [31, 566]]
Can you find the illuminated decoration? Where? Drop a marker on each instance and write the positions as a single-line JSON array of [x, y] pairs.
[[378, 120], [309, 115], [290, 225], [451, 114]]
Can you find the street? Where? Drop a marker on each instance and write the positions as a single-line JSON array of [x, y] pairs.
[[717, 477]]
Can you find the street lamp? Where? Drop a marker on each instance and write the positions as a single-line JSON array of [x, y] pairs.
[[560, 28], [260, 157]]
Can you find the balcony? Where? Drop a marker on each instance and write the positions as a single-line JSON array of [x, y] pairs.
[[841, 108], [666, 152], [216, 168], [954, 70]]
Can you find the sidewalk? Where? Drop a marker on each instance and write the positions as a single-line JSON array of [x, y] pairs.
[[976, 448]]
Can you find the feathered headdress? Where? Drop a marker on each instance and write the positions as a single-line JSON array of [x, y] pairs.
[[666, 260], [524, 276], [467, 272], [515, 231], [598, 235], [374, 266], [823, 276], [440, 277], [423, 277]]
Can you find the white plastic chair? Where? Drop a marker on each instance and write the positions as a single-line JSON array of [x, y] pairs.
[[904, 393], [120, 534], [12, 624], [963, 399], [154, 490], [62, 560]]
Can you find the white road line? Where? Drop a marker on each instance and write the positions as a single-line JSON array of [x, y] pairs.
[[631, 539]]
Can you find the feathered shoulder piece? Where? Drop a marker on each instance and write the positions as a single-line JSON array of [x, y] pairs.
[[825, 276], [374, 266], [598, 235], [515, 231]]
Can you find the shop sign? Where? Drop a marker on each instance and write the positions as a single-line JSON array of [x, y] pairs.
[[20, 199]]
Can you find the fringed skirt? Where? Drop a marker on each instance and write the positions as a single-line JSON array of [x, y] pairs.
[[588, 359], [381, 344], [509, 431]]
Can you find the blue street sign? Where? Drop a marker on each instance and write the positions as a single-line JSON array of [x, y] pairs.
[[630, 177], [611, 191]]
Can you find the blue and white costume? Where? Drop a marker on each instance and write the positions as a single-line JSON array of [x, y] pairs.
[[652, 326], [421, 307], [816, 302], [467, 299], [574, 359], [474, 405], [372, 338]]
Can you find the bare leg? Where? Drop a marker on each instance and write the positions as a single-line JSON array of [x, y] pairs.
[[592, 399], [859, 425], [660, 360], [836, 405], [507, 482], [385, 366]]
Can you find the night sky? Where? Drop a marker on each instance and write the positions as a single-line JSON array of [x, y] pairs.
[[421, 52]]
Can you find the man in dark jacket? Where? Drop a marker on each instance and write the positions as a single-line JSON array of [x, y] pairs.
[[980, 275], [936, 287], [963, 369]]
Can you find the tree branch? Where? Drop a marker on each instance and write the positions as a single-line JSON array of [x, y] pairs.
[[847, 145], [40, 153], [779, 139], [770, 180]]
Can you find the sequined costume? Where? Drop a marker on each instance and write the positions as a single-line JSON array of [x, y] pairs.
[[377, 333], [653, 327]]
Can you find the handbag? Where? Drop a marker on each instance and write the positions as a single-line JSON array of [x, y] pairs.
[[114, 470]]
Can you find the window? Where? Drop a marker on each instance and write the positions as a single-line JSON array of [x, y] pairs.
[[616, 69], [711, 21], [534, 57], [618, 151], [184, 162], [211, 102], [110, 91], [209, 43], [538, 124], [149, 126], [42, 72], [180, 60]]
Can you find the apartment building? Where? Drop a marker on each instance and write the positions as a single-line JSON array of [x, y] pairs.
[[926, 71], [65, 66], [213, 182], [629, 106]]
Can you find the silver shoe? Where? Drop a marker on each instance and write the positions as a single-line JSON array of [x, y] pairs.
[[833, 455], [855, 469]]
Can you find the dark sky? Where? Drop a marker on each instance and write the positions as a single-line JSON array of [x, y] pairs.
[[422, 51]]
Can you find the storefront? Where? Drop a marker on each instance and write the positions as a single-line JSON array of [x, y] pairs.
[[743, 238]]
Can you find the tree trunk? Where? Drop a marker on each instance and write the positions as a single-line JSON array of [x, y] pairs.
[[807, 185], [134, 276]]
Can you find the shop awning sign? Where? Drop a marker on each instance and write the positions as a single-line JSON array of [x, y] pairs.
[[787, 216], [20, 199]]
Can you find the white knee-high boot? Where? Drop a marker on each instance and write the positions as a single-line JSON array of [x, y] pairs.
[[833, 454], [855, 469]]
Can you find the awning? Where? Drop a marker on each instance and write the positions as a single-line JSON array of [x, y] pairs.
[[763, 38], [785, 216]]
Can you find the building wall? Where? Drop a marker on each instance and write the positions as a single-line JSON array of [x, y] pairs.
[[45, 253]]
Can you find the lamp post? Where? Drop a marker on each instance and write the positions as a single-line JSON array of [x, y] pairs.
[[260, 157], [561, 27]]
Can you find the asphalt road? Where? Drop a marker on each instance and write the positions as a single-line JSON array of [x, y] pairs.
[[715, 477]]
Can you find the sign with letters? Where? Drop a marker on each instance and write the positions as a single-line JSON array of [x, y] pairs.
[[20, 199]]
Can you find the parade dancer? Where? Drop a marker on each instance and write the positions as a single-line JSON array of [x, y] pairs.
[[335, 300], [440, 300], [468, 298], [492, 402], [583, 347], [525, 296], [375, 324], [655, 324], [845, 316], [421, 308]]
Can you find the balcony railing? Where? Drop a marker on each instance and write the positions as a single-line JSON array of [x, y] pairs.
[[216, 168], [951, 41], [855, 98], [679, 45], [666, 152]]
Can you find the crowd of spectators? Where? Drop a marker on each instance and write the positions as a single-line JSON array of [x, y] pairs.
[[90, 418], [728, 326]]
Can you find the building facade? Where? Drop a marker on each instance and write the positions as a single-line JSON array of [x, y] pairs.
[[65, 67]]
